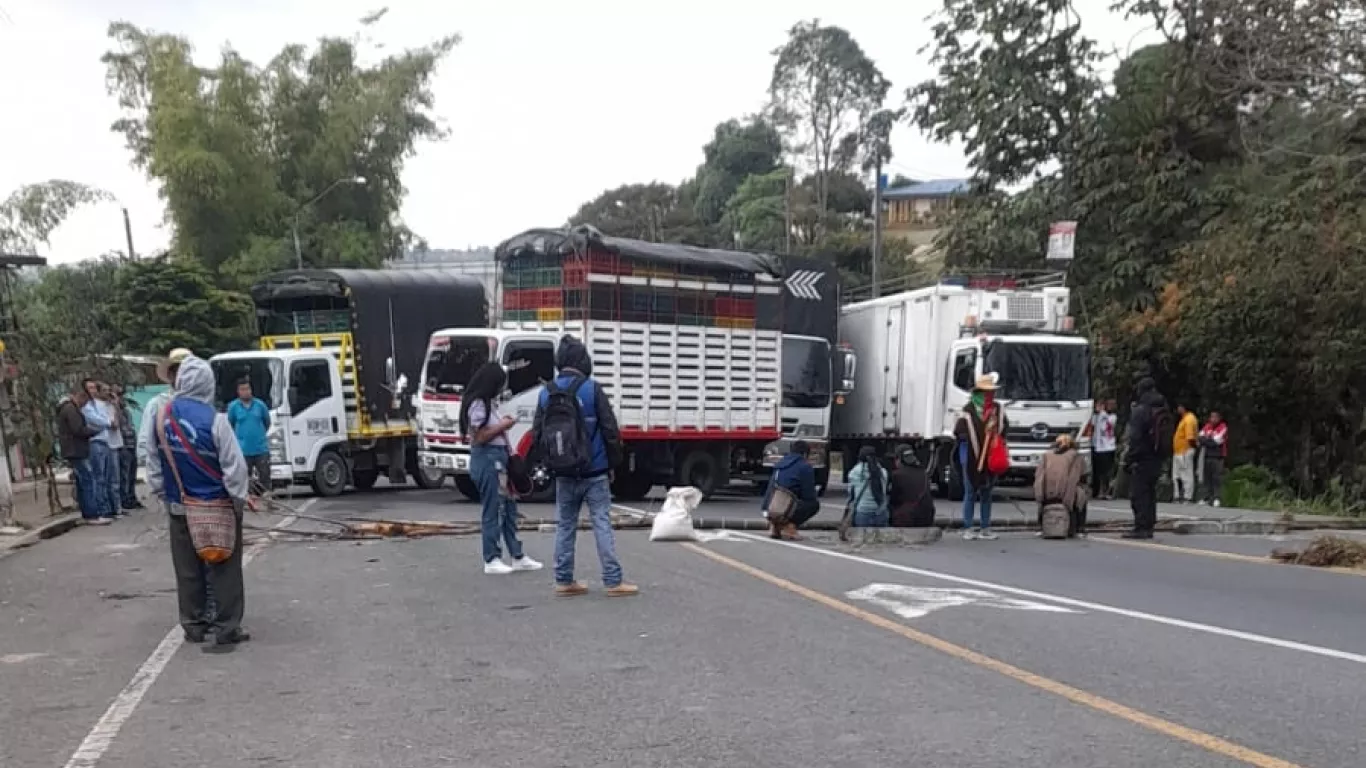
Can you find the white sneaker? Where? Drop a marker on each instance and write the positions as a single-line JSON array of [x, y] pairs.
[[1218, 503], [525, 563], [1201, 503], [970, 534], [497, 568], [99, 521], [987, 535]]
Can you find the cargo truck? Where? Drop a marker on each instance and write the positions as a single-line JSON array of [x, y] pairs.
[[338, 349], [687, 342], [921, 351]]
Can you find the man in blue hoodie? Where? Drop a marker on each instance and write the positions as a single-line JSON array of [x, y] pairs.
[[794, 474], [590, 483]]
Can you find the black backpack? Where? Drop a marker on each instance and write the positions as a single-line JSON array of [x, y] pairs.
[[563, 443], [1164, 431]]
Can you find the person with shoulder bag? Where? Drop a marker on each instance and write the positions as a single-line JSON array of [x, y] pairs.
[[982, 455], [867, 504], [791, 499]]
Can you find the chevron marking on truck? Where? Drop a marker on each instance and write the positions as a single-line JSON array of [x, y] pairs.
[[802, 284]]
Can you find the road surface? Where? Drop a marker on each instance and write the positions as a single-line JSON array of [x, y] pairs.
[[739, 652]]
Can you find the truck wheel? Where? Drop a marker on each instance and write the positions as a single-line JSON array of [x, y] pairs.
[[426, 479], [364, 479], [330, 476], [700, 470], [465, 484], [822, 480], [632, 486]]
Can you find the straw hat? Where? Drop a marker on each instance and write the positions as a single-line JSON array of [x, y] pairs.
[[175, 357], [986, 383]]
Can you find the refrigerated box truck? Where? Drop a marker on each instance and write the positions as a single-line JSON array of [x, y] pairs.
[[920, 353]]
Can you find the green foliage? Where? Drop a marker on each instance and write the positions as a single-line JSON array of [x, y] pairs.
[[161, 304], [243, 153], [31, 213]]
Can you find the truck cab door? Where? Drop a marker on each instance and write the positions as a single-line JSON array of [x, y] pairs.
[[964, 366], [317, 414], [530, 363]]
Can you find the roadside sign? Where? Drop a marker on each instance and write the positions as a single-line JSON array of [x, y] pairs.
[[1062, 240]]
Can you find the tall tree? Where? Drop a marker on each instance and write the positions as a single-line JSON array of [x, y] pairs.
[[738, 150], [823, 92], [640, 211], [30, 215], [243, 153]]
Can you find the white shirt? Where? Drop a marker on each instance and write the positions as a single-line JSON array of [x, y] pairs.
[[1103, 432]]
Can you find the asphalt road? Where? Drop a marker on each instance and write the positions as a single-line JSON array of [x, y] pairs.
[[740, 651]]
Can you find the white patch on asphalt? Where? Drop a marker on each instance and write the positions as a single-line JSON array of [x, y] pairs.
[[639, 514], [721, 535], [102, 736], [914, 602], [1251, 637], [20, 658]]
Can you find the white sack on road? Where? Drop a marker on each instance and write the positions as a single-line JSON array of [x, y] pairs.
[[674, 521]]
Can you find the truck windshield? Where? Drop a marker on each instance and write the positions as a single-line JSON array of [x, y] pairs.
[[1040, 371], [266, 374], [806, 373], [452, 360]]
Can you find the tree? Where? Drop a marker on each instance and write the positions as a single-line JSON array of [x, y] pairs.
[[160, 304], [737, 151], [31, 213], [823, 92], [240, 150], [639, 211]]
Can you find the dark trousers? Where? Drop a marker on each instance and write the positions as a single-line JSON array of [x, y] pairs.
[[1213, 481], [803, 511], [258, 469], [1143, 493], [1102, 467], [198, 583], [128, 477]]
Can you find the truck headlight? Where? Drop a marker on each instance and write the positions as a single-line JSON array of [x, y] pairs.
[[809, 430], [276, 440]]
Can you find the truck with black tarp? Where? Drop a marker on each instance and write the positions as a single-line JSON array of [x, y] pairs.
[[688, 343], [338, 350]]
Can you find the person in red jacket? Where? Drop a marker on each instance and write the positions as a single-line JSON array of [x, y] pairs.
[[1214, 445]]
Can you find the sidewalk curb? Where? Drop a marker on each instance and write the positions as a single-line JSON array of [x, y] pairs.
[[1261, 527], [51, 529]]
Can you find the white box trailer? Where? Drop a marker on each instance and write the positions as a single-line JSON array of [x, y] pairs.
[[919, 353]]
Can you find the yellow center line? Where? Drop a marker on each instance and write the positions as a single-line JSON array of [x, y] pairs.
[[1166, 727], [1232, 556]]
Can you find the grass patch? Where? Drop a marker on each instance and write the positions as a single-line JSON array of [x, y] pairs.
[[1254, 487]]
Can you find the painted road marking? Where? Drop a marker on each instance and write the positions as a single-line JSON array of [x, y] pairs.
[[1233, 556], [102, 736], [1166, 727], [1251, 637], [910, 602]]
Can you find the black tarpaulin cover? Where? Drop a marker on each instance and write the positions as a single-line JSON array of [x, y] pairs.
[[415, 301], [585, 238]]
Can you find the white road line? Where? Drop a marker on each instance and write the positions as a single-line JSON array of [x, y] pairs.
[[102, 736], [1251, 637]]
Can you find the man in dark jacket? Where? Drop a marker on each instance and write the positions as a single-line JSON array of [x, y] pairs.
[[909, 499], [1143, 457], [591, 484], [128, 454], [794, 474], [73, 440]]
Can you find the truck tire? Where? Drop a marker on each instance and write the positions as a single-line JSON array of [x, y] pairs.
[[364, 479], [822, 480], [427, 480], [701, 470], [465, 484], [330, 475], [632, 486]]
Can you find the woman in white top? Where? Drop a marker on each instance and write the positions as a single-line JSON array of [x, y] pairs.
[[486, 429]]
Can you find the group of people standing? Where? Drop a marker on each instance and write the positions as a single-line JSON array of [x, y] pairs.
[[95, 436]]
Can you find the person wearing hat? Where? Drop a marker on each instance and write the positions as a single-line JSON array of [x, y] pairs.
[[909, 496], [1059, 480], [981, 424]]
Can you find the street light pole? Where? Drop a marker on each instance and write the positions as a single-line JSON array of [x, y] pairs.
[[294, 224]]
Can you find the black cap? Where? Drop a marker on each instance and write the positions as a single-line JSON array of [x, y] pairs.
[[801, 448]]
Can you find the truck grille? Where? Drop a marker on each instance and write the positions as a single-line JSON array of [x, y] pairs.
[[789, 426], [1026, 434]]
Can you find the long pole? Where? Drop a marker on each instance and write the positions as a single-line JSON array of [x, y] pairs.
[[298, 252], [128, 233], [877, 227], [787, 212]]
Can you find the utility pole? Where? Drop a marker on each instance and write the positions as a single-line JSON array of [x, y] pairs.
[[877, 226], [787, 212], [128, 233]]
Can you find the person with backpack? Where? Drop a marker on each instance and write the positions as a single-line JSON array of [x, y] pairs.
[[1152, 429], [486, 429], [575, 434]]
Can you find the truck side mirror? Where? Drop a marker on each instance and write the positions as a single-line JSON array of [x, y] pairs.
[[846, 365], [390, 373]]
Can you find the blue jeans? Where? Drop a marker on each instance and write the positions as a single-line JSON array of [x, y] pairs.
[[104, 465], [84, 472], [487, 463], [128, 477], [971, 495], [570, 494]]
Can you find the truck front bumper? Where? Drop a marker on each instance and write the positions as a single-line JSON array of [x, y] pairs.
[[774, 452], [445, 462]]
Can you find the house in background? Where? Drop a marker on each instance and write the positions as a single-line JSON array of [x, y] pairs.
[[916, 210]]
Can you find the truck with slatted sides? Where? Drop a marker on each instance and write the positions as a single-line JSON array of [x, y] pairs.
[[338, 348], [687, 342]]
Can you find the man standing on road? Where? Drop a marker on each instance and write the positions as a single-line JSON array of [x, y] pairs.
[[198, 463], [1103, 446], [73, 438], [1150, 435], [128, 453], [575, 433], [1214, 441], [795, 475], [104, 463], [250, 420], [1183, 455]]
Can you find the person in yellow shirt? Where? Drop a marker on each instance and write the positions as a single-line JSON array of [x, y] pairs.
[[1184, 442]]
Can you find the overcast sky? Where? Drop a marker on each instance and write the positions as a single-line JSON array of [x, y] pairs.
[[548, 102]]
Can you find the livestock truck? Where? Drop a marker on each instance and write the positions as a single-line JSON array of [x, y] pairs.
[[688, 343], [920, 353], [338, 349]]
